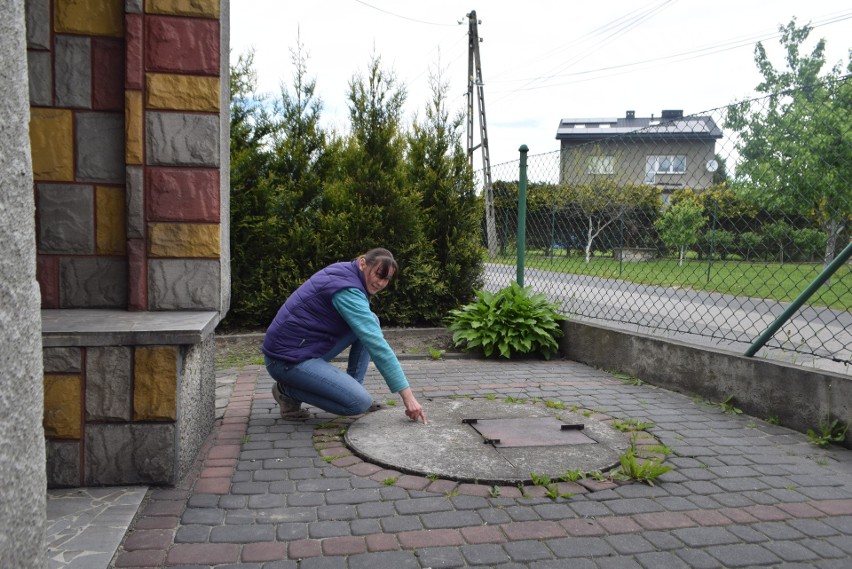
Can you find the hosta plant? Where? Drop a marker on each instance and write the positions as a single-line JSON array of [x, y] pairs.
[[513, 321]]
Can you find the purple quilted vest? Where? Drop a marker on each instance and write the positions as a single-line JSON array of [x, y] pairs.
[[307, 325]]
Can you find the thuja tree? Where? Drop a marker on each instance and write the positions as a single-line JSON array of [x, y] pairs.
[[439, 172], [278, 162], [369, 203], [795, 144]]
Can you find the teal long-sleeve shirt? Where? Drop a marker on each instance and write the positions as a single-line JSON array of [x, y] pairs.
[[353, 306]]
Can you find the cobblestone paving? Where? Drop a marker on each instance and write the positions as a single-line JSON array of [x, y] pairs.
[[264, 494]]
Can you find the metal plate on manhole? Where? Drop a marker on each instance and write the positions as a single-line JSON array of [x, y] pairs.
[[529, 432]]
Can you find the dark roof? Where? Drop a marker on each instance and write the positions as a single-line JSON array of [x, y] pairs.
[[672, 125]]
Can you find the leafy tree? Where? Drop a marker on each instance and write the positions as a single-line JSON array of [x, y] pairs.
[[439, 172], [602, 202], [796, 147], [679, 226]]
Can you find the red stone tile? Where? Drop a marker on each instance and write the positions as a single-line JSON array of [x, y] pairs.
[[382, 542], [108, 57], [363, 469], [801, 510], [533, 530], [203, 554], [410, 482], [188, 45], [303, 548], [219, 486], [185, 194], [738, 515], [483, 534], [334, 451], [664, 520], [141, 558], [149, 539], [217, 462], [619, 524], [346, 461], [217, 472], [441, 486], [571, 488], [510, 492], [582, 527], [164, 508], [597, 485], [344, 545], [134, 72], [384, 474], [47, 273], [224, 451], [767, 513], [709, 517], [430, 538], [476, 490], [263, 551], [157, 522], [834, 507]]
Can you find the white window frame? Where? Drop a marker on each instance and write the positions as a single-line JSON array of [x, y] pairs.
[[666, 164], [600, 165]]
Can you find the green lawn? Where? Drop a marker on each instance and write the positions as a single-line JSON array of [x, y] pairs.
[[776, 281]]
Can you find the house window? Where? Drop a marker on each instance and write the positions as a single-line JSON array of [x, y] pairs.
[[666, 164], [600, 165], [663, 165]]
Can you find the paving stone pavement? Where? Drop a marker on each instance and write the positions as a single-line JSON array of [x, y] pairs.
[[270, 494]]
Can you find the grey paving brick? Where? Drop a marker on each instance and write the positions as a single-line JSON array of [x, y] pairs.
[[661, 560], [519, 514], [384, 560], [192, 534], [663, 540], [560, 564], [291, 531], [843, 524], [353, 496], [494, 516], [813, 528], [203, 516], [375, 509], [698, 559], [264, 501], [579, 547], [305, 499], [527, 550], [204, 501], [440, 557], [590, 509], [778, 530], [365, 527], [554, 511], [401, 523], [424, 505], [634, 506], [484, 554], [446, 520], [319, 530], [703, 536], [242, 534], [743, 555], [629, 544], [791, 551]]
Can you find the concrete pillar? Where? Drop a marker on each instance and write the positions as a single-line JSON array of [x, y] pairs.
[[22, 447]]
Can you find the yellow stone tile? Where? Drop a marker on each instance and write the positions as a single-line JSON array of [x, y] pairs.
[[111, 232], [133, 119], [203, 8], [155, 383], [181, 92], [52, 144], [63, 412], [89, 17], [183, 240]]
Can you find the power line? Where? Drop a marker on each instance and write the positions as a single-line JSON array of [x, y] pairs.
[[403, 17]]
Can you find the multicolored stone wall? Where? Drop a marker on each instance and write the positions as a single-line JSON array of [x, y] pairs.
[[129, 140], [126, 139]]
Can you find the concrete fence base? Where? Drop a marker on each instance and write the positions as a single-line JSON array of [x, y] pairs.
[[799, 397]]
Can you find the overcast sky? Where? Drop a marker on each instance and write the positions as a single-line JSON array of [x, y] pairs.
[[542, 60]]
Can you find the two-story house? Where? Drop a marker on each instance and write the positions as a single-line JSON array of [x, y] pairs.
[[670, 152]]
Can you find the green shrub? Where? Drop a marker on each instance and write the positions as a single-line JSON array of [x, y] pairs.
[[510, 322]]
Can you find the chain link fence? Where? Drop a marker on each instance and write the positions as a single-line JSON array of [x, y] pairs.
[[702, 228]]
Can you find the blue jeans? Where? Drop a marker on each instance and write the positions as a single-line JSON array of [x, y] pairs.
[[321, 384]]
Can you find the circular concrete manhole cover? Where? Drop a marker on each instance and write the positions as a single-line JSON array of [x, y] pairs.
[[490, 442]]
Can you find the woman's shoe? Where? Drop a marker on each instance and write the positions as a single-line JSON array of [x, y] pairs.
[[290, 408]]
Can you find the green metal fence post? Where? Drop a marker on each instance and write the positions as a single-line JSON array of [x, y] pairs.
[[802, 298], [522, 213]]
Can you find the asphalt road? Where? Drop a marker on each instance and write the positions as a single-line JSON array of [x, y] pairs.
[[814, 337]]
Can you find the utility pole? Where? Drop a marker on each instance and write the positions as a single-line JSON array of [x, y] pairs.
[[474, 79]]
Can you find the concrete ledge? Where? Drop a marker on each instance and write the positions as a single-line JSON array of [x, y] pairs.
[[92, 327], [798, 396]]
